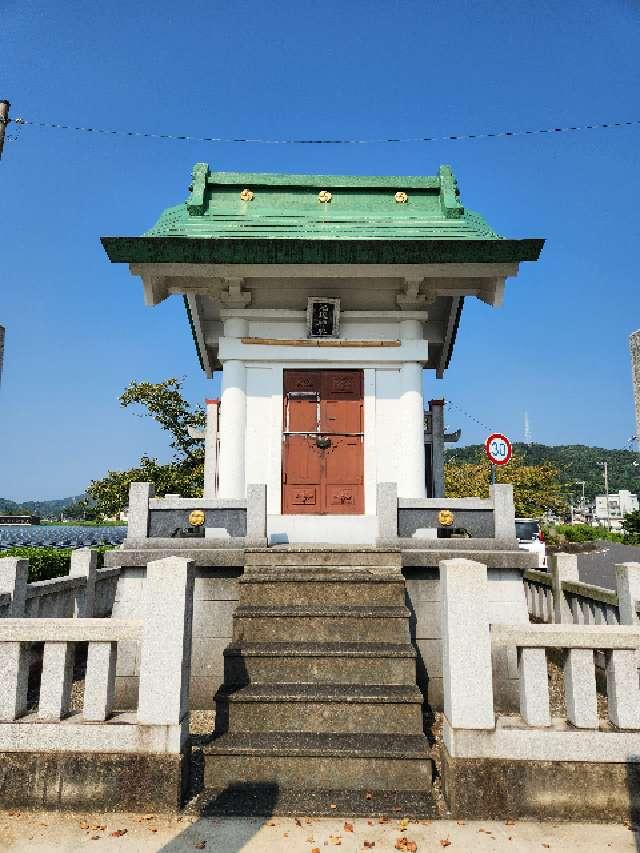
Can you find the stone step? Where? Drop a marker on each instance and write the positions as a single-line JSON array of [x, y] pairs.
[[329, 587], [321, 708], [338, 558], [319, 761], [351, 624], [338, 663]]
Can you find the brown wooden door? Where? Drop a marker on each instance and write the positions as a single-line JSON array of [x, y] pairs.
[[323, 446]]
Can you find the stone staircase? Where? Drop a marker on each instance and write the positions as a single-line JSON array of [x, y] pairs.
[[319, 703]]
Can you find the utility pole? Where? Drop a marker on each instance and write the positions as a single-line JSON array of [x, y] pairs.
[[4, 121], [605, 469]]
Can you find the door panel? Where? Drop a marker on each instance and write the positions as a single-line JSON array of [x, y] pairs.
[[323, 469]]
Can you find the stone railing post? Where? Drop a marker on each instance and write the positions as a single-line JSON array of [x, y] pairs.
[[387, 510], [138, 518], [165, 651], [564, 567], [504, 513], [256, 512], [14, 657], [14, 576], [628, 589], [84, 563], [466, 645]]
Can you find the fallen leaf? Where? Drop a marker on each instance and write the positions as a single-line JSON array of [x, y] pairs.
[[509, 823], [152, 829], [383, 819], [444, 842], [406, 845], [333, 806], [298, 822], [348, 827], [200, 845], [368, 795], [82, 824], [285, 834], [369, 845], [95, 838], [546, 845], [404, 823], [460, 822], [335, 840], [315, 850], [370, 822], [117, 833], [310, 839]]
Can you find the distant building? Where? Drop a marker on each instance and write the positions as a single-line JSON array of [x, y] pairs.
[[620, 503]]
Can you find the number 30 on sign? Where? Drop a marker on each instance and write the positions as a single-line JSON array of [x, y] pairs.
[[498, 448]]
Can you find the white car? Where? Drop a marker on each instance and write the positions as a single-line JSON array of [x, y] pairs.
[[531, 538]]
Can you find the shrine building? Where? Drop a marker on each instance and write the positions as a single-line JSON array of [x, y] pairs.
[[322, 299]]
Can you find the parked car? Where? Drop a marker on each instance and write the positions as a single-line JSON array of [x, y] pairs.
[[531, 538]]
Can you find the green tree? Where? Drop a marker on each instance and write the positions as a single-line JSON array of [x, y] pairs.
[[162, 401], [631, 522], [536, 488]]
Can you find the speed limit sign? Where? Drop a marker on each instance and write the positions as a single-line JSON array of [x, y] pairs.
[[498, 448]]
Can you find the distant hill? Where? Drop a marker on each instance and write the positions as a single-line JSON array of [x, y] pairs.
[[575, 462], [45, 509]]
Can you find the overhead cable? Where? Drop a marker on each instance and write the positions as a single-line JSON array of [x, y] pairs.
[[339, 141]]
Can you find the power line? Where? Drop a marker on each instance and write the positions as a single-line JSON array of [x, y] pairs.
[[467, 415], [339, 141]]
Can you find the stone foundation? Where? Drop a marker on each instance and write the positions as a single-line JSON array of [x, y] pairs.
[[93, 781], [487, 788]]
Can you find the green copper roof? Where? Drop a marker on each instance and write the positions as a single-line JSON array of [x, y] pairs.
[[282, 219]]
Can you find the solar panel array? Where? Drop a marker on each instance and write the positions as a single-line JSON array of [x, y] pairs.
[[59, 536]]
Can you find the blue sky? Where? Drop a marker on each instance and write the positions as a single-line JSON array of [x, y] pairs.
[[77, 329]]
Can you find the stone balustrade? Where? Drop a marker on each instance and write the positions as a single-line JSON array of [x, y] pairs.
[[85, 591], [49, 725], [472, 728], [560, 597]]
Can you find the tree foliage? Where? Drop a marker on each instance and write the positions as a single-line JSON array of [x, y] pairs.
[[631, 522], [536, 488], [162, 401], [574, 462]]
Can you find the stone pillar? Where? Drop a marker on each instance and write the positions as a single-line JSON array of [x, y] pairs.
[[466, 645], [211, 450], [387, 510], [14, 576], [138, 517], [233, 421], [628, 589], [504, 514], [436, 407], [564, 567], [165, 650], [412, 471], [256, 512], [84, 563]]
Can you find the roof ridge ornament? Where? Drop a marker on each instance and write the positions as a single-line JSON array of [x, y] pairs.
[[195, 202], [452, 207]]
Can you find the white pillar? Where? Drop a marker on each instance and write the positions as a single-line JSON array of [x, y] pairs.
[[233, 418], [211, 450], [412, 475]]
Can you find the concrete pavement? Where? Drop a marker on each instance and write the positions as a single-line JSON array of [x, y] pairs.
[[44, 831]]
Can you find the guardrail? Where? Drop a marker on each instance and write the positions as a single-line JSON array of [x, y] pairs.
[[164, 636], [86, 591], [560, 597], [531, 764]]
